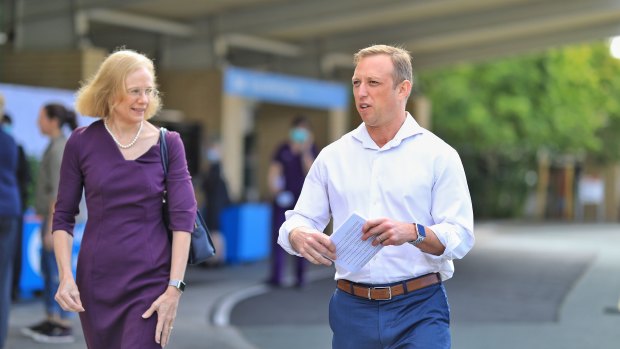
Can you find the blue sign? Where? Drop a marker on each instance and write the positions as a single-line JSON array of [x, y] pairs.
[[285, 89], [31, 278], [247, 229]]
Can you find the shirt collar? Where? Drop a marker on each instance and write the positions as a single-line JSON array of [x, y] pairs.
[[409, 128]]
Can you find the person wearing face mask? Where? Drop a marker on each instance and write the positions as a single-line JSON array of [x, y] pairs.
[[287, 171]]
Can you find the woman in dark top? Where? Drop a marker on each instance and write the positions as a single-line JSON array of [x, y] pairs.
[[127, 268], [287, 172]]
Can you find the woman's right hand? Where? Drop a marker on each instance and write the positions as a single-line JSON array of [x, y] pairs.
[[68, 296]]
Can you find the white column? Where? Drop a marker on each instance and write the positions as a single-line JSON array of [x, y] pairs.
[[338, 123], [422, 111], [236, 114]]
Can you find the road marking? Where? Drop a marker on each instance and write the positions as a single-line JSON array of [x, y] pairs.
[[223, 309]]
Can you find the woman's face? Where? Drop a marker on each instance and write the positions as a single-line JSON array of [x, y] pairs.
[[139, 89], [46, 125]]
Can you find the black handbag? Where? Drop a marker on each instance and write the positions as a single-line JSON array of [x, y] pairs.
[[201, 247]]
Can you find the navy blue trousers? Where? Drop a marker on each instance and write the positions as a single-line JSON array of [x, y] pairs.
[[416, 320], [8, 235]]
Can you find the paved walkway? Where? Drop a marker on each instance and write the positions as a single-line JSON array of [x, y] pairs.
[[523, 286]]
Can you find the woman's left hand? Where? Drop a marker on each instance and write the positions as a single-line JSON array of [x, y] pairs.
[[166, 307]]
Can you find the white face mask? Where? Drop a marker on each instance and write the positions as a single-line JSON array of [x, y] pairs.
[[213, 155]]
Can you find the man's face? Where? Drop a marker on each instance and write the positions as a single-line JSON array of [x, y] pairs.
[[376, 98]]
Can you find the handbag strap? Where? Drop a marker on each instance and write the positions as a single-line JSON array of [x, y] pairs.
[[163, 149]]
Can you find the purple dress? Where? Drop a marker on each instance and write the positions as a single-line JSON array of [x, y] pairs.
[[124, 259]]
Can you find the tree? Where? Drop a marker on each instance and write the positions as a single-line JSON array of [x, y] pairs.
[[499, 114]]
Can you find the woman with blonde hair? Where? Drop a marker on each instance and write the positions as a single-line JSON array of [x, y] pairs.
[[127, 268]]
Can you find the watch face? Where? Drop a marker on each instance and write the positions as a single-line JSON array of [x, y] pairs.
[[421, 230], [178, 284]]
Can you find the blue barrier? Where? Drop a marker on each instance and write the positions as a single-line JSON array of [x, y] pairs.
[[246, 229], [31, 279]]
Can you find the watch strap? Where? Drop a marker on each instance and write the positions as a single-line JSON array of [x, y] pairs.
[[178, 284], [421, 232]]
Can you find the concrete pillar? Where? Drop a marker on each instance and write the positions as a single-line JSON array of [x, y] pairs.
[[338, 123], [236, 113], [421, 108]]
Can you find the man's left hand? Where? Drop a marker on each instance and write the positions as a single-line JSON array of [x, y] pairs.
[[388, 232]]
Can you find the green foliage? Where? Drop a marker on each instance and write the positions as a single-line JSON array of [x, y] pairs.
[[34, 163], [499, 114]]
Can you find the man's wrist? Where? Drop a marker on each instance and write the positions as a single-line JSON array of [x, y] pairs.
[[420, 234], [290, 239]]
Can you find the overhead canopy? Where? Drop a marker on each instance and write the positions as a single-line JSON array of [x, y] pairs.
[[321, 35]]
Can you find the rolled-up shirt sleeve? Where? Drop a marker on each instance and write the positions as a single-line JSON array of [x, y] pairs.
[[451, 209], [71, 183], [181, 198]]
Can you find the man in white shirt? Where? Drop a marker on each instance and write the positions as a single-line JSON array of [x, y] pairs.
[[411, 187]]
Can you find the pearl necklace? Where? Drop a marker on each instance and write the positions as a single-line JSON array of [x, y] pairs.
[[122, 146]]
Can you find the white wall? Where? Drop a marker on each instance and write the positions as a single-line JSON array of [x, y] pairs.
[[23, 104]]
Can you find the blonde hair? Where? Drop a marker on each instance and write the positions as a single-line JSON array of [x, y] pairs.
[[401, 59], [98, 94]]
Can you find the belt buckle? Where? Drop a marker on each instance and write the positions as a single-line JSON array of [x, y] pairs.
[[380, 288]]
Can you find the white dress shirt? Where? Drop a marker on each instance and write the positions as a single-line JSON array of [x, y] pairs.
[[415, 177]]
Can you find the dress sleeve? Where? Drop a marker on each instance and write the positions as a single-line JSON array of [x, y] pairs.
[[181, 198], [70, 186]]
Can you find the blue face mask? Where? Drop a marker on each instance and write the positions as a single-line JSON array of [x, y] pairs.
[[299, 135], [8, 129]]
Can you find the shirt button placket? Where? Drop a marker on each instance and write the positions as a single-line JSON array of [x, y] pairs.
[[374, 185]]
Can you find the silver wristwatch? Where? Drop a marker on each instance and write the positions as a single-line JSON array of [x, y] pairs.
[[419, 229], [179, 284]]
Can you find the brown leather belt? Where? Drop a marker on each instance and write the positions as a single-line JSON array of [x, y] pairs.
[[387, 292]]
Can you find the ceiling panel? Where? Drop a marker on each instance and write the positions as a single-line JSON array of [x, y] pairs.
[[436, 31], [190, 10]]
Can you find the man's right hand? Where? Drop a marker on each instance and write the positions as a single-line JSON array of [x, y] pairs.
[[313, 245]]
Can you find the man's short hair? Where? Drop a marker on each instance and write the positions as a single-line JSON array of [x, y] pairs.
[[400, 58]]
